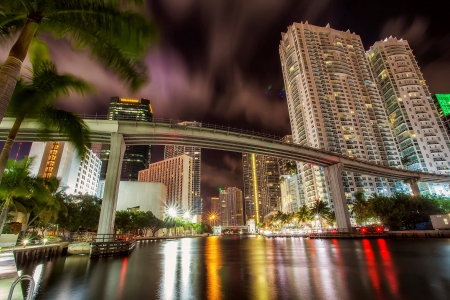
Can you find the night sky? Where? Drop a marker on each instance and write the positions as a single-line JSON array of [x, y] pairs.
[[215, 60]]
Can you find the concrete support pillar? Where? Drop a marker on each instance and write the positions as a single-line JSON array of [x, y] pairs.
[[109, 202], [414, 186], [333, 175]]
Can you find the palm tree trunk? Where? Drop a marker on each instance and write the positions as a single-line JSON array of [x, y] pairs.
[[9, 73], [8, 145], [4, 213]]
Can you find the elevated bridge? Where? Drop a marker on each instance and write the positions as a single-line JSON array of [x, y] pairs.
[[169, 132]]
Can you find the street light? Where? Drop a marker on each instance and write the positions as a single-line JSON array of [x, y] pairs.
[[172, 212], [186, 215]]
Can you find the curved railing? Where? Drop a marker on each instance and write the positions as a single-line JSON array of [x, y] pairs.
[[176, 122]]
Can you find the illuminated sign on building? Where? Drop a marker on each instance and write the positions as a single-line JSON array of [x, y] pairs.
[[444, 103], [128, 100]]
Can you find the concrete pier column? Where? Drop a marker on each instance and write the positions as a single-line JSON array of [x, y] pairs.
[[333, 175], [413, 185], [109, 202]]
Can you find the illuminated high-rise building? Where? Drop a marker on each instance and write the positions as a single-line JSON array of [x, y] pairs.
[[334, 104], [442, 102], [176, 174], [215, 205], [61, 160], [196, 154], [413, 116], [261, 185], [232, 208], [136, 157], [290, 193]]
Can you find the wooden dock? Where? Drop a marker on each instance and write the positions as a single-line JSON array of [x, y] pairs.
[[112, 245]]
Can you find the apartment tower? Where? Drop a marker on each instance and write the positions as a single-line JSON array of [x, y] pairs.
[[334, 104], [232, 207], [413, 116]]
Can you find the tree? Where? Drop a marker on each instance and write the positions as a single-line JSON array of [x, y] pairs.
[[115, 32], [83, 211], [47, 210], [303, 214], [360, 208], [35, 98], [18, 184], [123, 222], [155, 225], [320, 210], [402, 211]]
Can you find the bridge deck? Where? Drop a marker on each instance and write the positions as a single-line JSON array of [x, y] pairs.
[[159, 133]]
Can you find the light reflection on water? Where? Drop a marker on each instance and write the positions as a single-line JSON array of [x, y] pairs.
[[255, 268]]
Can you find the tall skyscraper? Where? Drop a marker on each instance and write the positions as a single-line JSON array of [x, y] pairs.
[[261, 185], [413, 116], [136, 157], [442, 102], [334, 104], [215, 205], [176, 174], [61, 160], [196, 154], [232, 208]]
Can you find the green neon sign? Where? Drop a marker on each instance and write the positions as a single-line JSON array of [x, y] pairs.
[[444, 103]]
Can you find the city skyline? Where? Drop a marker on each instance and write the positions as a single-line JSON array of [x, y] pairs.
[[253, 73]]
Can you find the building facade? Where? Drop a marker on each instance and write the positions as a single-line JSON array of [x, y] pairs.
[[61, 160], [232, 207], [215, 205], [334, 104], [136, 157], [413, 116], [142, 196], [171, 151], [176, 174], [290, 193], [261, 185]]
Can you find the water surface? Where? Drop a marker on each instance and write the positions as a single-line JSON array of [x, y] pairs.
[[255, 268]]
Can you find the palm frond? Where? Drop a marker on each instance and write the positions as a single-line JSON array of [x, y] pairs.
[[38, 52], [10, 24], [128, 67], [68, 124], [117, 23]]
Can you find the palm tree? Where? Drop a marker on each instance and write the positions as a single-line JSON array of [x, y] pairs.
[[46, 211], [18, 183], [115, 32], [303, 214], [360, 208], [320, 210], [34, 98]]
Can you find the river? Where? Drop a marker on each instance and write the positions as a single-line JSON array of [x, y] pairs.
[[234, 267]]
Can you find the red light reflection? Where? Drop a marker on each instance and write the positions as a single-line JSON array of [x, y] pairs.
[[123, 273], [389, 269], [371, 265]]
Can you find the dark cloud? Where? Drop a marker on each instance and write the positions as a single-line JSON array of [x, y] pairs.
[[225, 170], [413, 31]]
